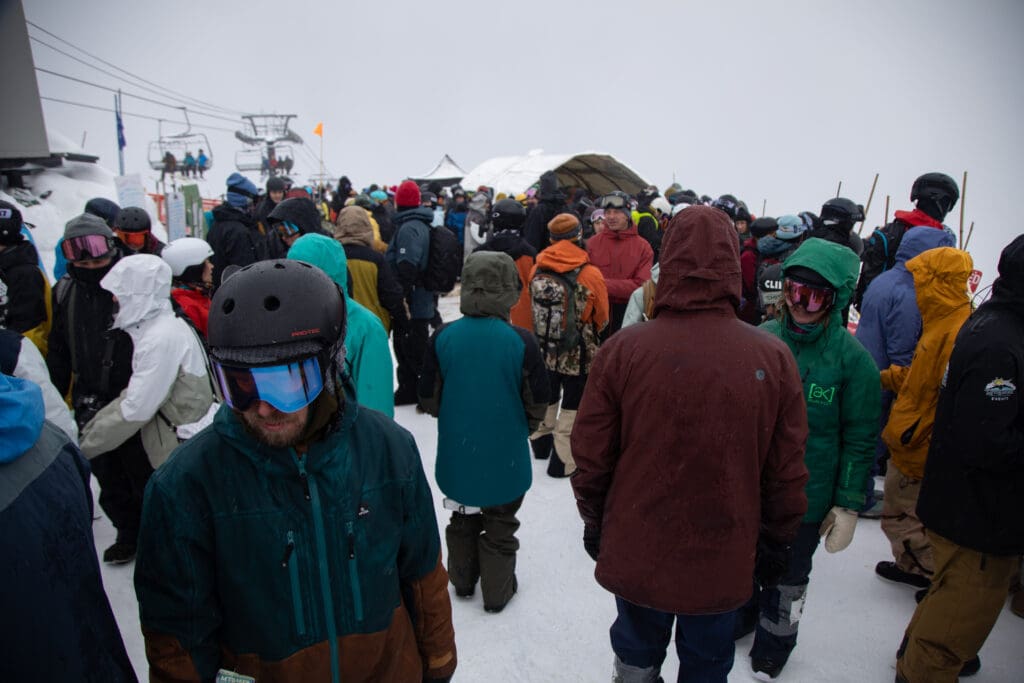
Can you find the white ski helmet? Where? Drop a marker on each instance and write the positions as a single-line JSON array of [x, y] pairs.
[[184, 253], [661, 205]]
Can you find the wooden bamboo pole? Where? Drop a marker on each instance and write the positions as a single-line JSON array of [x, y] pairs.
[[840, 188], [886, 210], [970, 232], [963, 201], [764, 206], [867, 207]]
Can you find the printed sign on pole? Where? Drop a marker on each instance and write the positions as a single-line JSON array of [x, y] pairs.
[[974, 280], [176, 227], [130, 191]]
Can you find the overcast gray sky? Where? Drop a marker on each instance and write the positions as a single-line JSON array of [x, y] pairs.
[[765, 100]]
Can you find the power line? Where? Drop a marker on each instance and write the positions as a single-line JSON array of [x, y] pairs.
[[129, 94], [126, 113], [113, 75], [125, 71]]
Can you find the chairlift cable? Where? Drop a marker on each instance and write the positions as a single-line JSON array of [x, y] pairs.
[[140, 78], [125, 113]]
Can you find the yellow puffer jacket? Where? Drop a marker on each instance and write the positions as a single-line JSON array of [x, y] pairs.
[[940, 284]]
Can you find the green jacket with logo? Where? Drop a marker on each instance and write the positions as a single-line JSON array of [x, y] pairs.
[[841, 388]]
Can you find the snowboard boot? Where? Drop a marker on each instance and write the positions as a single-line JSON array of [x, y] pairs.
[[556, 468], [627, 673], [766, 669], [494, 609], [542, 446], [919, 595], [890, 572], [970, 667], [119, 553]]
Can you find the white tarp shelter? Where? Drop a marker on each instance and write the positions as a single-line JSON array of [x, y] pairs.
[[597, 173], [447, 172]]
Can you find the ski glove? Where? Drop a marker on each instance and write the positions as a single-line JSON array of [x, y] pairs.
[[838, 528], [592, 541], [771, 561]]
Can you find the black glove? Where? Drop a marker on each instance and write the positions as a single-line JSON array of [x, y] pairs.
[[771, 561], [592, 541]]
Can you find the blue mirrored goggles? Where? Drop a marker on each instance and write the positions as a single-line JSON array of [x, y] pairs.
[[288, 388], [287, 229]]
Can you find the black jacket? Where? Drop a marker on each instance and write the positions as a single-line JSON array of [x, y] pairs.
[[974, 477], [535, 229], [82, 345], [508, 242], [23, 306], [235, 239]]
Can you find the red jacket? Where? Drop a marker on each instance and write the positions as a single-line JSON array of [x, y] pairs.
[[624, 258], [195, 304], [689, 440]]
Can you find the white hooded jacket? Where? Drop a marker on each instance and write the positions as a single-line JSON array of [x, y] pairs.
[[169, 385]]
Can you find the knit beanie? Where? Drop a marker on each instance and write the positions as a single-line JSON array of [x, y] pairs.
[[564, 226], [10, 223], [86, 224], [408, 195], [104, 208], [241, 191]]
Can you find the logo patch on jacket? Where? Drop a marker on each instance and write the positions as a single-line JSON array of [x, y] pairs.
[[364, 509], [1000, 389], [822, 396]]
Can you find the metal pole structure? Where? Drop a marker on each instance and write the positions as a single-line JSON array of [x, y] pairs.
[[764, 206], [840, 188], [867, 207], [321, 158], [120, 149], [963, 201]]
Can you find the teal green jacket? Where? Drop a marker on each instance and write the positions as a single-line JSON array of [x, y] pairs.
[[328, 564], [841, 388], [367, 354]]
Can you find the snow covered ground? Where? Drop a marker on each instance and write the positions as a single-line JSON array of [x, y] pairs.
[[556, 627]]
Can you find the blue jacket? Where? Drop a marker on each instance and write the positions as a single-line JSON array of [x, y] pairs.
[[407, 254], [61, 624], [890, 322]]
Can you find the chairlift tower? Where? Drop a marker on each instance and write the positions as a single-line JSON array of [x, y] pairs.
[[267, 138]]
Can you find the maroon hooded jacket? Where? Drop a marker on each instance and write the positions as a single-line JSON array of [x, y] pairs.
[[689, 440]]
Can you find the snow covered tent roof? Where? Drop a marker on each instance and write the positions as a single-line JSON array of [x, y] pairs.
[[598, 173], [447, 172]]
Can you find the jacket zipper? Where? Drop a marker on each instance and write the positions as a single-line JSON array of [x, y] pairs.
[[313, 495], [293, 575], [353, 571]]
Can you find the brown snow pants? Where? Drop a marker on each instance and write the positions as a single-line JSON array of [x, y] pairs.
[[952, 622], [910, 545]]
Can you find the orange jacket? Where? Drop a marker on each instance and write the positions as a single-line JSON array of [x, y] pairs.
[[565, 255], [522, 311], [940, 284]]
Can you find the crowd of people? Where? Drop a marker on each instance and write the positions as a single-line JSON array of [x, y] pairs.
[[234, 395]]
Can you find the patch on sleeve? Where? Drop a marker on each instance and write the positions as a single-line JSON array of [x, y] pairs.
[[1000, 389], [225, 676]]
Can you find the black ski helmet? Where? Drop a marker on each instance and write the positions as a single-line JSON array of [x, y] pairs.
[[763, 226], [729, 204], [508, 214], [841, 211], [132, 219], [273, 312], [938, 188]]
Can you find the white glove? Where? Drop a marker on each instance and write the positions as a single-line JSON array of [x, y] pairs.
[[838, 528]]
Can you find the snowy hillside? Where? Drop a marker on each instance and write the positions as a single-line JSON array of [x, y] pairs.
[[556, 627]]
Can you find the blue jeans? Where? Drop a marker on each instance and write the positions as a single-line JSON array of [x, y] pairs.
[[640, 638]]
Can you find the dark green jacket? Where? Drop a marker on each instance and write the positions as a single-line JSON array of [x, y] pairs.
[[841, 388], [319, 568]]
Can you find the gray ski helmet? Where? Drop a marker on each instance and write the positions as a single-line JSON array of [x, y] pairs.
[[937, 187], [769, 285], [132, 219], [508, 214], [274, 312]]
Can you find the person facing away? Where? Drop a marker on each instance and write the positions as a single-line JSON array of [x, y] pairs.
[[507, 220], [235, 237], [483, 457], [24, 289], [374, 284], [841, 391], [60, 625], [678, 491], [970, 495], [295, 538]]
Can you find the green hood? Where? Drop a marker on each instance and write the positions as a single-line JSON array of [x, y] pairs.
[[834, 262], [490, 285], [324, 253]]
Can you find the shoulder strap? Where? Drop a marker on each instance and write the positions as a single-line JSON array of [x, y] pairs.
[[649, 288]]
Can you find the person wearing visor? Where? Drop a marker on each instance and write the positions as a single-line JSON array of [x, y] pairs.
[[235, 237], [295, 538], [290, 220], [24, 289], [621, 254], [94, 361], [133, 228], [841, 389], [192, 278]]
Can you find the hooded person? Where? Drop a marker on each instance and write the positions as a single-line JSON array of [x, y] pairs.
[[550, 201], [841, 389], [373, 282], [483, 349], [940, 282], [25, 305], [367, 355], [290, 220], [970, 495], [507, 218], [235, 236], [660, 397], [61, 624], [169, 385]]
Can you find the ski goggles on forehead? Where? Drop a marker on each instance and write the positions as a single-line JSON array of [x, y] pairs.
[[812, 298], [287, 229], [289, 387], [85, 247]]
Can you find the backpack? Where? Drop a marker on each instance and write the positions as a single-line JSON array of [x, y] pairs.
[[444, 261], [879, 255], [555, 317], [649, 288]]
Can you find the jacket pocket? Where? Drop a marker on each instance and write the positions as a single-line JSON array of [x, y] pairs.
[[908, 434], [291, 561], [353, 572]]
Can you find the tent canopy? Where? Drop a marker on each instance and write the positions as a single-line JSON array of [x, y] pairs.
[[447, 172], [597, 173]]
